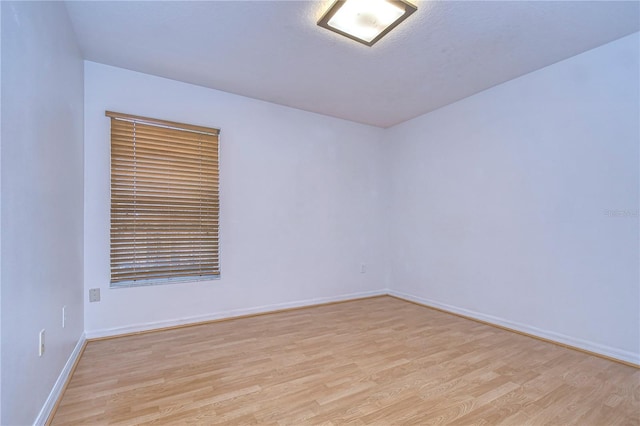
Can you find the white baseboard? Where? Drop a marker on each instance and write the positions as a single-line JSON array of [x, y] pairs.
[[135, 328], [594, 347], [58, 387]]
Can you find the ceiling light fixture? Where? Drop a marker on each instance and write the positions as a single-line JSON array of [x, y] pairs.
[[365, 21]]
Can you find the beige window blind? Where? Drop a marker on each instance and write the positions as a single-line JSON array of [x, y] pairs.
[[164, 201]]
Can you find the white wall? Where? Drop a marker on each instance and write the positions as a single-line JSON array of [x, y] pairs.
[[497, 202], [42, 191], [0, 214], [299, 194]]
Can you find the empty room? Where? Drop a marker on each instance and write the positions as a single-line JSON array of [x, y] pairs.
[[389, 212]]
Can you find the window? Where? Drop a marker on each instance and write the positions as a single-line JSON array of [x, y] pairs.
[[164, 201]]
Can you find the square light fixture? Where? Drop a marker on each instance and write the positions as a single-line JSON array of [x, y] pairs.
[[365, 21]]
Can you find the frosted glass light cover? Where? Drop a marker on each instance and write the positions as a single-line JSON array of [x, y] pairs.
[[365, 21]]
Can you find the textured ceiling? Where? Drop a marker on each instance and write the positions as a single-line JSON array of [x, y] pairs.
[[273, 50]]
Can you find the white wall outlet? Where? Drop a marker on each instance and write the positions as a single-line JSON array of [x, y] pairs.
[[64, 316], [41, 343], [363, 268], [94, 295]]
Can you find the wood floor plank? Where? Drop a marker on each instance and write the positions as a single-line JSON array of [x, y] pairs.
[[378, 361]]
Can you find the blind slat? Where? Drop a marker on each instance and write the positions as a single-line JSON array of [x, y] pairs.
[[128, 251], [120, 178], [142, 160], [178, 145], [158, 172]]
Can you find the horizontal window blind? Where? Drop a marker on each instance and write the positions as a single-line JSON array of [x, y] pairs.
[[164, 201]]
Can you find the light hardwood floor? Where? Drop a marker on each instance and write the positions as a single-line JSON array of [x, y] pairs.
[[374, 361]]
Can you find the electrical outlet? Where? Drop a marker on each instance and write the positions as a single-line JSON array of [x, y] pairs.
[[41, 343], [94, 295], [64, 316]]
